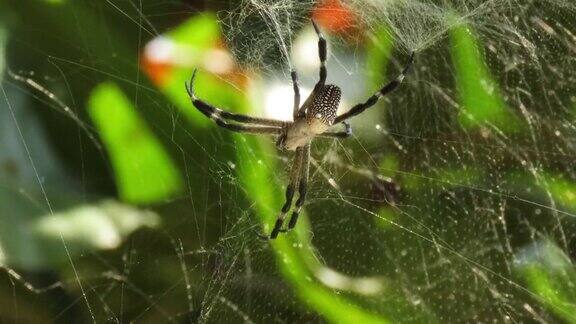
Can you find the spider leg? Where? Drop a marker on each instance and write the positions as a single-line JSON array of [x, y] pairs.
[[342, 134], [292, 186], [322, 53], [216, 113], [391, 86], [296, 93], [302, 188]]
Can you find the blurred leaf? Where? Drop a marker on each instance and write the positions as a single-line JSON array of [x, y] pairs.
[[480, 96], [144, 171], [33, 241], [98, 226], [378, 54], [171, 58], [549, 274], [92, 226], [201, 32], [563, 190]]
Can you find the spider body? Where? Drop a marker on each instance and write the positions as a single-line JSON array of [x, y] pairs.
[[319, 113], [313, 119]]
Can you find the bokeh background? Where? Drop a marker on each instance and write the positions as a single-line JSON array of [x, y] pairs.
[[454, 201]]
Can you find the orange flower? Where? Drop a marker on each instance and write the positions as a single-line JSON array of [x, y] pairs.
[[334, 16]]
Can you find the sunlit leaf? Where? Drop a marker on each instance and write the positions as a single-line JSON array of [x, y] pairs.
[[481, 101], [378, 54], [144, 171], [97, 226], [200, 32], [564, 191]]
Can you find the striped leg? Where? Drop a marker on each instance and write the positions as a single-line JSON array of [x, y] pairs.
[[322, 53], [302, 188], [342, 134], [391, 86], [292, 186], [296, 94], [221, 117]]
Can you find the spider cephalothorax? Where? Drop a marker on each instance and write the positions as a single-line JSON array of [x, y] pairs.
[[313, 119]]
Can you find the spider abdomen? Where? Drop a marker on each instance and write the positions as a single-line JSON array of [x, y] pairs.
[[324, 106]]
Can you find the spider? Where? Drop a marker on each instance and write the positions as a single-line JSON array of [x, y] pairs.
[[313, 119]]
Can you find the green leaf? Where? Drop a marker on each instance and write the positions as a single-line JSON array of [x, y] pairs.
[[378, 54], [201, 32], [480, 96], [563, 190], [551, 276], [193, 40], [144, 171]]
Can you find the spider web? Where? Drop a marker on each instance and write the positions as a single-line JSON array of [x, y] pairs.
[[452, 202]]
